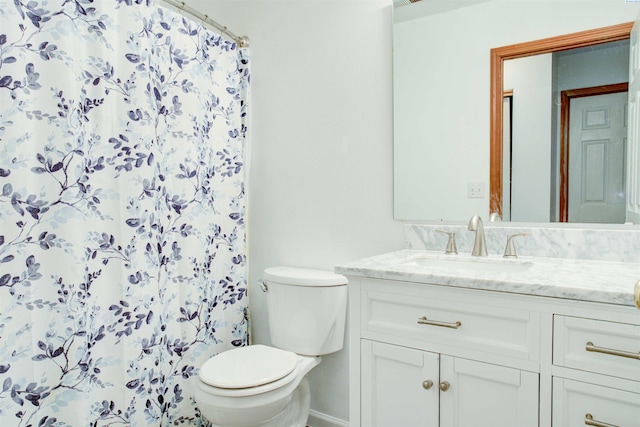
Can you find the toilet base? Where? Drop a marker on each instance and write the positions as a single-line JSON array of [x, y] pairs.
[[295, 414], [287, 406]]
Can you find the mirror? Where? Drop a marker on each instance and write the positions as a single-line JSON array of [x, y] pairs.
[[602, 184], [443, 102]]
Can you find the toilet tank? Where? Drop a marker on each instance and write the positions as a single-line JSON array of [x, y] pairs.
[[307, 309]]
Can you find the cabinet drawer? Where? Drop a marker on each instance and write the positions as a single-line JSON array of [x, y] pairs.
[[598, 346], [448, 320], [577, 404]]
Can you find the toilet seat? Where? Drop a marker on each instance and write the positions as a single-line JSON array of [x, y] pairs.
[[249, 370]]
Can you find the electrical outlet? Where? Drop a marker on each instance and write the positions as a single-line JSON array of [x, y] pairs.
[[475, 190]]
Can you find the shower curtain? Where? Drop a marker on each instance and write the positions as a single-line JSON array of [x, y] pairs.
[[122, 211]]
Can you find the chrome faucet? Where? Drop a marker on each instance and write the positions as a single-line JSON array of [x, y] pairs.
[[480, 243], [510, 248], [451, 243]]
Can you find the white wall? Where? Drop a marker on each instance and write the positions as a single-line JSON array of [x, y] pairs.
[[530, 78], [446, 109], [593, 67], [321, 170]]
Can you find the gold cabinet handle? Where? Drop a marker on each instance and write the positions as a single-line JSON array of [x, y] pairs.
[[424, 321], [591, 347], [444, 385], [427, 384], [636, 294], [588, 420]]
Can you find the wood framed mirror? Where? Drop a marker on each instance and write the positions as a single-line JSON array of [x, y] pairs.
[[548, 45]]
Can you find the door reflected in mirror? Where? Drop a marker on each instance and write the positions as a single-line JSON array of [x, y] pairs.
[[576, 93], [558, 128]]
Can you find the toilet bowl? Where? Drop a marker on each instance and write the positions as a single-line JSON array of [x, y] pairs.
[[266, 386], [271, 391]]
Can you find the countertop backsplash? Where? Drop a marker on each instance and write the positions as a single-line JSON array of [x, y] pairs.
[[620, 244]]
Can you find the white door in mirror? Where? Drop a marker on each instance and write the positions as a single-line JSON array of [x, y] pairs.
[[598, 136]]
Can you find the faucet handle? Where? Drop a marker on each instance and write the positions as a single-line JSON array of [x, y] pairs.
[[451, 243], [510, 248]]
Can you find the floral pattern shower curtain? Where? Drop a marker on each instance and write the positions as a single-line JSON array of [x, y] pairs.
[[122, 211]]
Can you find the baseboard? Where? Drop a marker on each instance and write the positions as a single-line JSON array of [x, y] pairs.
[[318, 419]]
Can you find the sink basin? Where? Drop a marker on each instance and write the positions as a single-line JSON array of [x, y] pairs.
[[470, 265]]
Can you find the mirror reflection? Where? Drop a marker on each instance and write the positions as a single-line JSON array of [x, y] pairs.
[[445, 115], [565, 111]]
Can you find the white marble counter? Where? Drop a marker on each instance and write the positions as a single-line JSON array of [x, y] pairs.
[[576, 279]]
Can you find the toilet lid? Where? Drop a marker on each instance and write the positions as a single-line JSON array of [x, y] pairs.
[[246, 367], [303, 277]]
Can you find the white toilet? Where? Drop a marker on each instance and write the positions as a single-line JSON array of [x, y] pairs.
[[266, 386]]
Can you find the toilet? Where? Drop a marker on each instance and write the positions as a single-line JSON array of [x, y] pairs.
[[266, 386]]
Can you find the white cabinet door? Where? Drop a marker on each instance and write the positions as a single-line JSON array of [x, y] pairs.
[[481, 394], [393, 394], [577, 404], [463, 393]]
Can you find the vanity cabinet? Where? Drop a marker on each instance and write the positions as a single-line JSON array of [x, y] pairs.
[[580, 403], [604, 356], [407, 387], [441, 355]]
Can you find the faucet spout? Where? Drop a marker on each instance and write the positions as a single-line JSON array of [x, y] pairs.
[[480, 242]]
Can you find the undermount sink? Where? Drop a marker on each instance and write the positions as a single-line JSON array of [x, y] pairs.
[[480, 264]]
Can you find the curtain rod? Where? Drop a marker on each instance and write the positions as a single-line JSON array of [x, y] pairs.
[[243, 41]]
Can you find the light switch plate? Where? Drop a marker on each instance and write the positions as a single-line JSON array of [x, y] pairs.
[[475, 190]]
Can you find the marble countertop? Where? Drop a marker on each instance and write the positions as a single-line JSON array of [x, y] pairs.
[[576, 279]]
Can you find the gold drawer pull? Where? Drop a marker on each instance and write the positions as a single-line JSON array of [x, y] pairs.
[[591, 347], [588, 420], [424, 321], [636, 294]]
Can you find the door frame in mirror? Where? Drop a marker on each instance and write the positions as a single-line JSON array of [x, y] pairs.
[[566, 96], [499, 55]]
